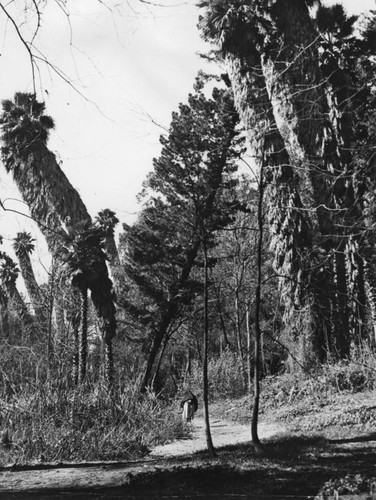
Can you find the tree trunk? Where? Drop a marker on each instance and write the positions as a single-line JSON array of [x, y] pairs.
[[57, 208], [370, 279], [76, 350], [209, 441], [289, 224], [167, 316], [249, 357], [82, 361], [33, 290], [257, 355], [109, 362], [19, 304]]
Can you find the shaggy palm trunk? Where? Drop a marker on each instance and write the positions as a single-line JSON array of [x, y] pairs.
[[317, 129], [370, 279], [33, 290], [113, 260], [4, 315], [82, 360], [289, 225], [19, 304], [209, 441], [57, 208]]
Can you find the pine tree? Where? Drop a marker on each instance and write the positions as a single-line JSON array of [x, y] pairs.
[[184, 189]]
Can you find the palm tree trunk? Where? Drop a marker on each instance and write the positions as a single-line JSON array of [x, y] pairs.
[[370, 279], [82, 360], [33, 290], [289, 225], [20, 305]]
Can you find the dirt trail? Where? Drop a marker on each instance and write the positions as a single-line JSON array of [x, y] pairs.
[[223, 433], [64, 477]]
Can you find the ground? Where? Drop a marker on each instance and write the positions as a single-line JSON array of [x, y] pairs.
[[305, 447]]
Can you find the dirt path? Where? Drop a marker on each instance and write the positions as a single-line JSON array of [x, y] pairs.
[[62, 477], [223, 433]]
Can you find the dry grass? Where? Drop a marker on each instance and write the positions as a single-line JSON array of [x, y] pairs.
[[84, 424]]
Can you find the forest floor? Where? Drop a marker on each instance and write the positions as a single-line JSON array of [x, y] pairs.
[[305, 447]]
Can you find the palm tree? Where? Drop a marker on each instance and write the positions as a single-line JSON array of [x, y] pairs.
[[23, 246], [107, 220], [8, 276], [237, 28], [53, 202], [84, 257]]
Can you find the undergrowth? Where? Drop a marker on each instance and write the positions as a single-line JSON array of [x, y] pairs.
[[88, 423]]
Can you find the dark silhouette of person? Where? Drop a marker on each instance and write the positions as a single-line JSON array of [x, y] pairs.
[[189, 404]]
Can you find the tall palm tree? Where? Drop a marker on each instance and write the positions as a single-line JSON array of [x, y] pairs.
[[23, 246], [52, 200], [107, 220], [8, 276], [238, 29], [84, 257], [308, 100]]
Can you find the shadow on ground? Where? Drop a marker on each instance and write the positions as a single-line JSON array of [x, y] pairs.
[[290, 466]]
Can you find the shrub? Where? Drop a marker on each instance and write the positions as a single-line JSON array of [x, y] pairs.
[[87, 423]]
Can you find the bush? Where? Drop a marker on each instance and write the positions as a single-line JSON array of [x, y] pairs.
[[87, 423]]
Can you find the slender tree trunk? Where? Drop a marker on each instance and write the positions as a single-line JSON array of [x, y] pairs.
[[257, 355], [76, 349], [238, 327], [109, 362], [167, 317], [82, 361], [209, 441], [249, 357]]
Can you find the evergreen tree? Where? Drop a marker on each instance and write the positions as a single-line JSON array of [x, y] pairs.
[[182, 193]]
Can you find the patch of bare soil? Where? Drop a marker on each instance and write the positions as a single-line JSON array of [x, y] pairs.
[[303, 449]]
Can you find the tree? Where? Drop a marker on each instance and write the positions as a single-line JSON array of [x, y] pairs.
[[185, 187], [53, 202], [23, 246], [231, 25], [8, 277], [107, 220], [275, 54], [84, 257]]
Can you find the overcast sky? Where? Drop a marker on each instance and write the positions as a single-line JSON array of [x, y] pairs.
[[130, 67]]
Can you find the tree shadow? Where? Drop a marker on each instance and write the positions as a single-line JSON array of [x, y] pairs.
[[371, 436]]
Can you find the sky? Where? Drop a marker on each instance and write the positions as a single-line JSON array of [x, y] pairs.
[[125, 69]]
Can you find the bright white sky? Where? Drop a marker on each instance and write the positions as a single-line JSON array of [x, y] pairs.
[[133, 65]]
